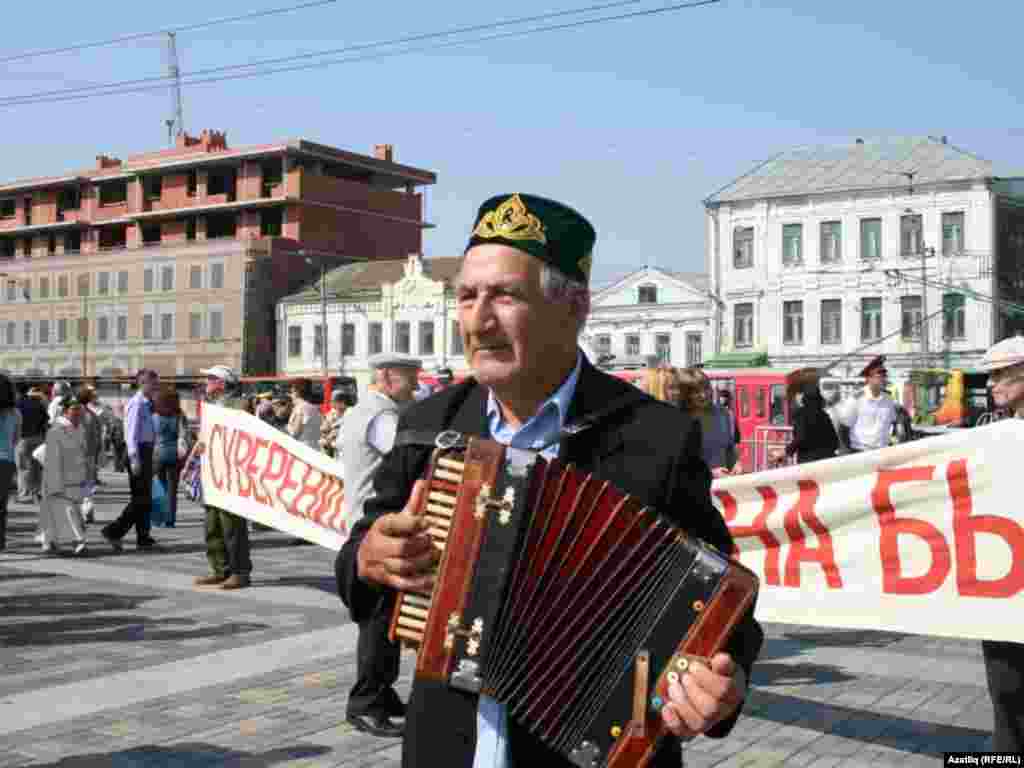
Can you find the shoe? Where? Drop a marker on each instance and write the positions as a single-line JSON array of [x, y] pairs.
[[213, 580], [114, 543], [51, 549], [147, 543], [38, 538], [376, 724], [24, 499], [396, 707], [80, 548], [235, 581]]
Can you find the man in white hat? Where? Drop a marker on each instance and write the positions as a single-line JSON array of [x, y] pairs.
[[367, 434], [227, 535], [1004, 661]]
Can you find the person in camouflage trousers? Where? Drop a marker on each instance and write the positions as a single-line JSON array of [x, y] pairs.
[[227, 535]]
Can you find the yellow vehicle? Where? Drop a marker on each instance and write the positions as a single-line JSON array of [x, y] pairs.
[[947, 398]]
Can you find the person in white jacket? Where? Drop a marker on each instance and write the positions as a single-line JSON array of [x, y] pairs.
[[65, 475]]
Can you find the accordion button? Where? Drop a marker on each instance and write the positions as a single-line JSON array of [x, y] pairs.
[[673, 677], [657, 703], [698, 605], [616, 731], [682, 663]]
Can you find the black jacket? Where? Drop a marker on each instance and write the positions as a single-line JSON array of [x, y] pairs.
[[34, 418], [649, 450], [814, 435]]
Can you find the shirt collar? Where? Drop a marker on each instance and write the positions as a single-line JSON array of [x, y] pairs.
[[557, 403]]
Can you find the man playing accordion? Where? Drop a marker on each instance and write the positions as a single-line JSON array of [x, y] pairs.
[[522, 300]]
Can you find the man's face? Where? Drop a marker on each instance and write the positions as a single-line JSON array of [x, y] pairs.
[[214, 385], [1007, 385], [149, 382], [340, 406], [399, 383], [509, 330], [74, 414], [876, 381]]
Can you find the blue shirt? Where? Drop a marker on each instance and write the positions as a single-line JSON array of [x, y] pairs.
[[138, 423], [542, 428], [166, 428]]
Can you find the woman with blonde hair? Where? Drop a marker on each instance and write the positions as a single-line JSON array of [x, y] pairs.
[[662, 383], [717, 428]]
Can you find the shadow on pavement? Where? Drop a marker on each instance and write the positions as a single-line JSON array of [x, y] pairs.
[[193, 755], [882, 730], [797, 674], [847, 638], [326, 584]]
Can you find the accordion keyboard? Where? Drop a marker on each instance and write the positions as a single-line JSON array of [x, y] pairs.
[[439, 511]]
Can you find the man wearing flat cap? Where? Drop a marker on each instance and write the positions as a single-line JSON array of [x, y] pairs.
[[522, 299], [1004, 661], [866, 422], [367, 435]]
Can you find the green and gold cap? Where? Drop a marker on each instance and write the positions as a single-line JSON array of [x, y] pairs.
[[551, 231]]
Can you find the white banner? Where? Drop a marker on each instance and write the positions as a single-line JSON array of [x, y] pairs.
[[924, 537], [258, 472]]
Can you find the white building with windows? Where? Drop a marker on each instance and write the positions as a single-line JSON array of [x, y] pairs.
[[816, 256], [376, 306], [650, 313]]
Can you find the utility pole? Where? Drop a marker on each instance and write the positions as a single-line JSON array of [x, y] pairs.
[[925, 253], [177, 118]]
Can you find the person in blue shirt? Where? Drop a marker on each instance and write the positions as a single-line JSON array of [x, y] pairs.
[[522, 299], [10, 432]]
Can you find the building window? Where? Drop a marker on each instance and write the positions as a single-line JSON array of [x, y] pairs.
[[910, 235], [221, 225], [12, 329], [603, 344], [217, 324], [122, 327], [122, 282], [694, 353], [73, 242], [792, 245], [103, 284], [426, 337], [12, 290], [83, 285], [193, 182], [114, 192], [831, 242], [910, 317], [954, 321], [154, 186], [195, 277], [743, 247], [62, 287], [271, 222], [195, 325], [871, 319], [647, 294], [457, 348], [348, 339], [152, 234], [167, 326], [318, 341], [8, 208], [103, 329], [294, 341], [743, 324], [26, 330], [832, 321], [792, 322], [8, 248], [375, 339], [147, 326], [69, 199], [62, 330], [51, 245], [663, 347], [26, 247], [44, 287], [167, 278], [113, 237], [633, 345], [216, 275], [147, 280], [190, 228], [952, 233], [402, 337], [44, 331], [26, 290], [871, 238]]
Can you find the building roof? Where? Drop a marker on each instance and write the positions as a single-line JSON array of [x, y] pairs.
[[368, 276], [695, 280], [878, 164]]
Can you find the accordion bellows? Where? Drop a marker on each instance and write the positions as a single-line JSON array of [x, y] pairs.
[[565, 599]]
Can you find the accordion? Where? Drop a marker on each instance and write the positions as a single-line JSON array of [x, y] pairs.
[[563, 598]]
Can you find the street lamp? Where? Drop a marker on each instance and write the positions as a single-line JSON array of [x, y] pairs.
[[323, 309]]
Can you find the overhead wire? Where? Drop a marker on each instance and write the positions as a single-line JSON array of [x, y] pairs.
[[158, 83], [156, 33]]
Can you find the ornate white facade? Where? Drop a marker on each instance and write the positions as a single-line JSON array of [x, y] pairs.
[[404, 306], [650, 312]]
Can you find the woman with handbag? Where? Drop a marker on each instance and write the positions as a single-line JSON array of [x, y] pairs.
[[168, 451]]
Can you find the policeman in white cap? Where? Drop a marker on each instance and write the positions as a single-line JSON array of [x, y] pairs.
[[1004, 661], [367, 434]]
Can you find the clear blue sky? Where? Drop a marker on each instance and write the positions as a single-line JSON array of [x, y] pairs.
[[632, 122]]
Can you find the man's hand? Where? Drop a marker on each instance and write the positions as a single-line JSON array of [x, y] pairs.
[[704, 697], [718, 472], [397, 551], [135, 466]]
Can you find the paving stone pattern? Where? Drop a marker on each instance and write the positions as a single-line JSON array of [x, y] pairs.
[[819, 697]]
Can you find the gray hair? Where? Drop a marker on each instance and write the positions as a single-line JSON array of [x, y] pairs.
[[555, 285]]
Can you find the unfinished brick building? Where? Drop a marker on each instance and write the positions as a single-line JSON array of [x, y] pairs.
[[175, 259]]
